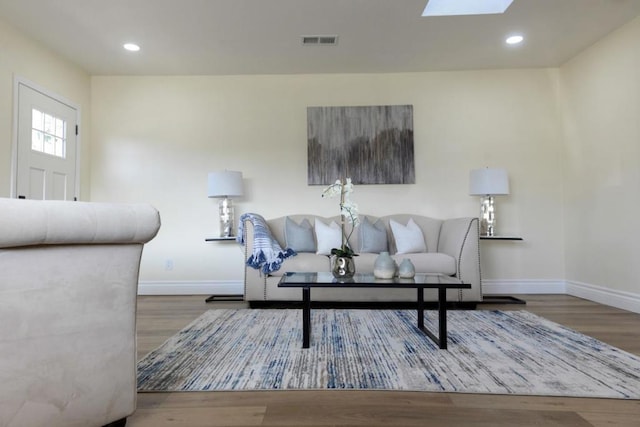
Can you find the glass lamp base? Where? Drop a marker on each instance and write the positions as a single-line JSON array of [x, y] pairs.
[[487, 216], [225, 208]]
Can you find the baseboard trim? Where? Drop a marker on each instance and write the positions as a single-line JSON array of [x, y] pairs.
[[221, 287], [623, 300], [614, 298], [503, 287]]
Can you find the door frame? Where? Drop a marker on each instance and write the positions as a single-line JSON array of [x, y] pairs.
[[17, 81]]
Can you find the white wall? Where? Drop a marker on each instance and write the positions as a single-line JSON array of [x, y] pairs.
[[155, 139], [22, 57], [601, 109], [569, 138]]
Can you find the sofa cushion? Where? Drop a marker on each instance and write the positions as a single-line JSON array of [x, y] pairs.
[[373, 237], [327, 236], [425, 262], [364, 262], [304, 262], [409, 238], [299, 237], [429, 262]]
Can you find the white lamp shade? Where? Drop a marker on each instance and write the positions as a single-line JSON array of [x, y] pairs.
[[225, 184], [487, 181]]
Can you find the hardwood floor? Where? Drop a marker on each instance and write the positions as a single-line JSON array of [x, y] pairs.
[[159, 317]]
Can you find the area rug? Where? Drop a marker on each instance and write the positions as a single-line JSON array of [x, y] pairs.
[[502, 352]]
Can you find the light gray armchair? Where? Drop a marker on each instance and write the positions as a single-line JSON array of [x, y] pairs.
[[68, 286]]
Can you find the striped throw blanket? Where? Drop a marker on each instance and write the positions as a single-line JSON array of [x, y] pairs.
[[267, 254]]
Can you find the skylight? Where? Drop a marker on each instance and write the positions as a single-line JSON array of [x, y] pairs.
[[465, 7]]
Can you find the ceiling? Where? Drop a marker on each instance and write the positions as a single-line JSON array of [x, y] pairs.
[[211, 37]]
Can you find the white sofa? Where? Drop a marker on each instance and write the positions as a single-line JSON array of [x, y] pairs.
[[68, 286], [452, 248]]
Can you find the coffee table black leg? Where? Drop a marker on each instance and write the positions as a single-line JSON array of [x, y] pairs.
[[420, 308], [306, 317], [442, 313], [441, 339]]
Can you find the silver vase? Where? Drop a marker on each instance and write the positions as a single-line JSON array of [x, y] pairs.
[[343, 267]]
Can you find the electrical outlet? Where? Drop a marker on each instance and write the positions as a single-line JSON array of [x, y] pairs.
[[168, 265]]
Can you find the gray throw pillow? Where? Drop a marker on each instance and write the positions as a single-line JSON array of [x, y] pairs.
[[373, 237], [299, 237]]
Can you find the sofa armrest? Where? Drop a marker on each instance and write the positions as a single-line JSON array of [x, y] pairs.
[[459, 237]]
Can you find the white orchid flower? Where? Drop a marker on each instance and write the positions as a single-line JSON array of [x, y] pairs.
[[348, 211], [347, 187], [333, 190]]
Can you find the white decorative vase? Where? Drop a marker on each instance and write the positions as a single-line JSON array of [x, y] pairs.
[[406, 270], [384, 266]]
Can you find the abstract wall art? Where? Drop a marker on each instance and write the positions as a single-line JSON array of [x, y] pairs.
[[370, 144]]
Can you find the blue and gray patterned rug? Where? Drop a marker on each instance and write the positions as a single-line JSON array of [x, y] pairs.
[[501, 352]]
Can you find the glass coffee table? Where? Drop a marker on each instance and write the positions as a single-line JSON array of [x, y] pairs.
[[420, 282]]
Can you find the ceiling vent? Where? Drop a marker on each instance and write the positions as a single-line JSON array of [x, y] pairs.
[[319, 40]]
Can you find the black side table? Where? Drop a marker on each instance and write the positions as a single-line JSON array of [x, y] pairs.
[[223, 297], [501, 299], [500, 238]]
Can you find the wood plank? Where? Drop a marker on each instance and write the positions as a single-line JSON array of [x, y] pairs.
[[197, 417]]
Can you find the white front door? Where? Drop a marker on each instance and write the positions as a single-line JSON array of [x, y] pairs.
[[46, 167]]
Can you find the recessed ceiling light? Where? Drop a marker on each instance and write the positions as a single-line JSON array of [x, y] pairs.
[[132, 47], [515, 39], [465, 7]]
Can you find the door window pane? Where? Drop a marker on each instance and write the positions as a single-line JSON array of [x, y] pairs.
[[49, 134]]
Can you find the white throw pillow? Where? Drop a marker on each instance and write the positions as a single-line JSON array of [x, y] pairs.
[[327, 237], [409, 239]]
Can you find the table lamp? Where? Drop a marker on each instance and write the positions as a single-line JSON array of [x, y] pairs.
[[225, 185], [487, 183]]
